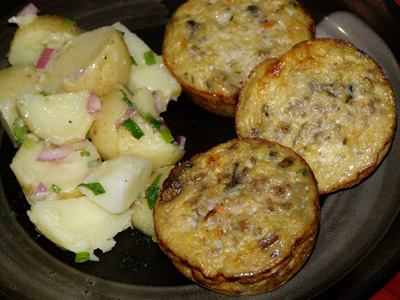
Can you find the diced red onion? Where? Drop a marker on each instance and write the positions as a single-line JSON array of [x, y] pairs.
[[129, 111], [47, 55], [53, 154], [41, 193], [29, 9], [94, 104], [77, 73], [41, 188], [181, 140], [159, 105]]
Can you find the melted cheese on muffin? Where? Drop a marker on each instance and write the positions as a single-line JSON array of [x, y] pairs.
[[328, 101], [211, 46], [240, 218]]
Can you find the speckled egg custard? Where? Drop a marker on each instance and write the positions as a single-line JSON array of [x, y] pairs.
[[211, 46], [241, 218], [328, 101]]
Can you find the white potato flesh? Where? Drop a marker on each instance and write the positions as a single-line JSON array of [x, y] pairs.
[[78, 224], [95, 60], [143, 99], [65, 173], [156, 77], [142, 215], [13, 82], [43, 32], [59, 119], [112, 140], [123, 179]]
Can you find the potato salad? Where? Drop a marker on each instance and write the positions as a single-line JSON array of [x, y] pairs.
[[84, 109]]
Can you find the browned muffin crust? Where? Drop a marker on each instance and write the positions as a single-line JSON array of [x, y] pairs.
[[241, 218], [211, 46], [328, 101]]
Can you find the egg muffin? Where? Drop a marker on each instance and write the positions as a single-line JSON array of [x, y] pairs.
[[328, 101], [211, 46], [241, 218]]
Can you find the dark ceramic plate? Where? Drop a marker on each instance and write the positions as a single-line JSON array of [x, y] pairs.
[[358, 248]]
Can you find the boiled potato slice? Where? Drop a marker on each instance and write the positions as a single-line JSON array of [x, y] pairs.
[[78, 224], [112, 140], [64, 174], [122, 178], [43, 32], [14, 81], [95, 61], [155, 77], [59, 119], [142, 215]]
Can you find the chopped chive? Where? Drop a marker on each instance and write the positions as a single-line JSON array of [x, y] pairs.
[[149, 58], [303, 172], [28, 143], [133, 61], [44, 93], [153, 121], [154, 238], [93, 163], [121, 32], [55, 189], [95, 187], [126, 99], [166, 135], [134, 128], [85, 153], [19, 130], [152, 192], [81, 257]]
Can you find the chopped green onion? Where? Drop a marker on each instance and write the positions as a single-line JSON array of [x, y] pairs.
[[94, 162], [70, 24], [81, 257], [85, 153], [28, 143], [154, 238], [55, 189], [152, 192], [134, 128], [126, 99], [44, 93], [95, 187], [133, 61], [166, 135], [149, 58], [153, 121], [19, 130], [121, 32]]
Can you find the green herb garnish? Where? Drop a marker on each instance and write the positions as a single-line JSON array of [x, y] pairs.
[[44, 93], [254, 10], [55, 188], [126, 100], [149, 58], [153, 121], [152, 192], [166, 135], [304, 172], [133, 61], [85, 153], [19, 130], [134, 128], [95, 187], [81, 257], [94, 162]]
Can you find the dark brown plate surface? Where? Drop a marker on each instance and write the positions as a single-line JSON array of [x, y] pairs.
[[358, 247]]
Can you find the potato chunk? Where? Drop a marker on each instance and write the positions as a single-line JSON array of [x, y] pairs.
[[122, 178], [142, 215], [112, 139], [78, 224], [95, 61], [59, 119], [14, 81], [154, 76], [65, 174], [44, 31]]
